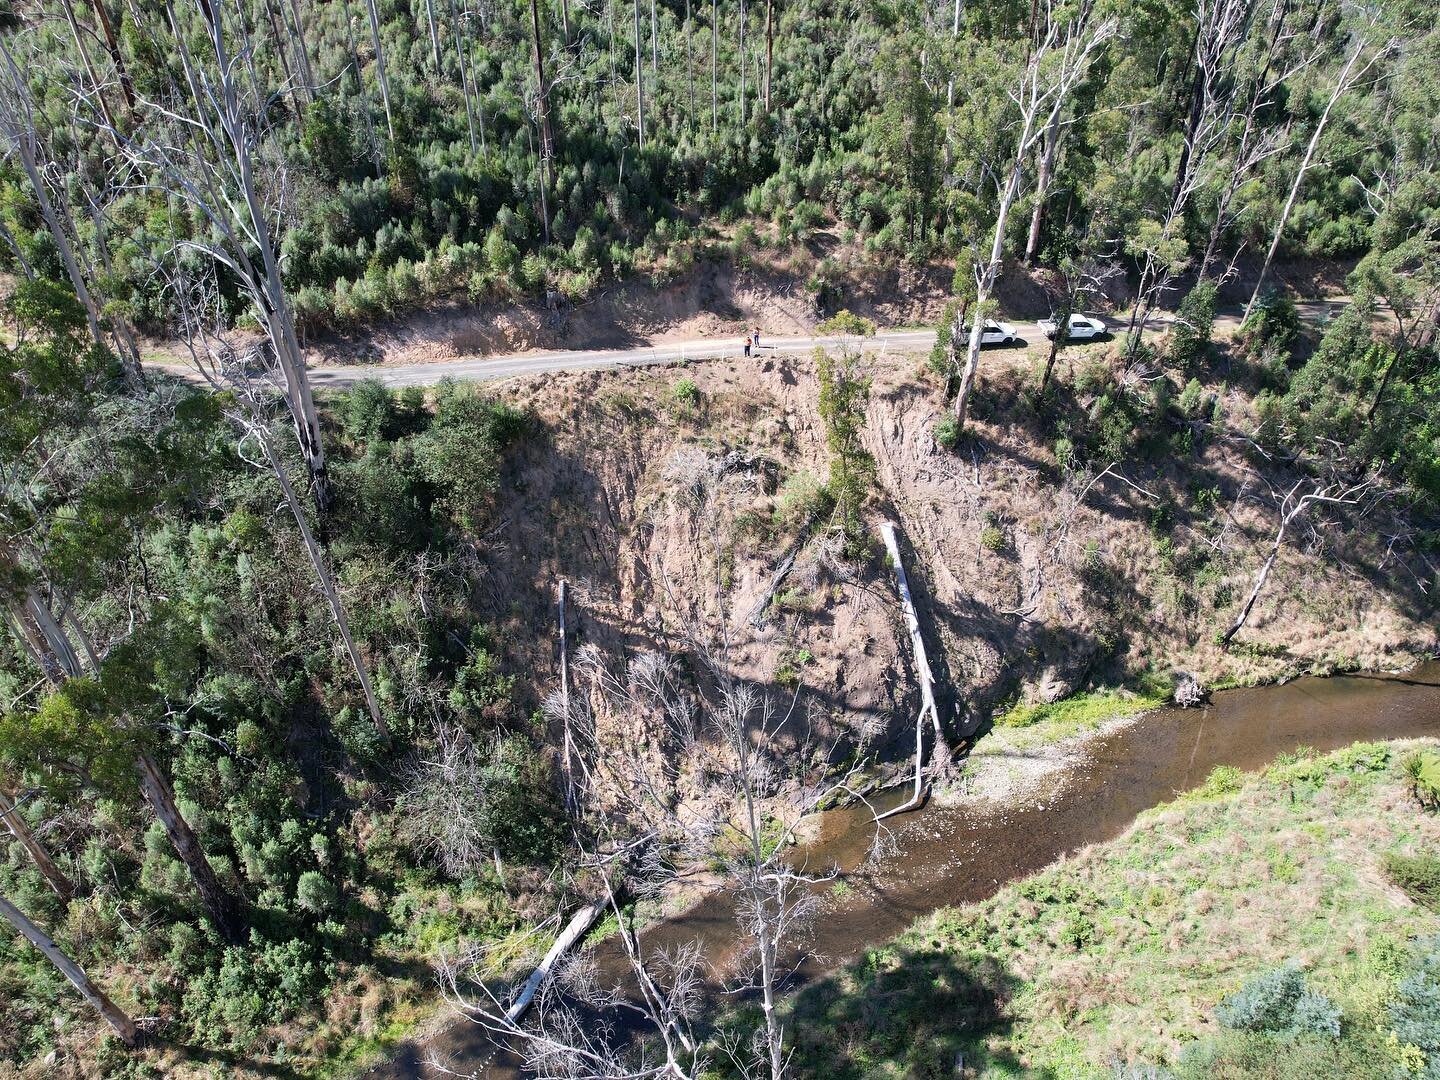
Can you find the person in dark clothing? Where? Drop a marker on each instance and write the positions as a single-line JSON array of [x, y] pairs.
[[747, 346]]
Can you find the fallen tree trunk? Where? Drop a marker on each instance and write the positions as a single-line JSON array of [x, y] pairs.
[[579, 926], [922, 672]]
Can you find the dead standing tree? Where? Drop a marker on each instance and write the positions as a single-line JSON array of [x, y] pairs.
[[17, 125], [1352, 72], [1055, 66], [226, 368], [1221, 27], [1301, 496], [202, 149]]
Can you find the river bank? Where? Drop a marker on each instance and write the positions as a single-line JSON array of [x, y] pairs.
[[961, 853]]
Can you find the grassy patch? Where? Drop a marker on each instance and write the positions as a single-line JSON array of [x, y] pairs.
[[1081, 712], [1123, 954]]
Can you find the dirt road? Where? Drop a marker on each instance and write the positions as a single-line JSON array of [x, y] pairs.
[[490, 368]]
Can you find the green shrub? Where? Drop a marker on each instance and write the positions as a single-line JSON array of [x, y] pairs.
[[1422, 771], [846, 321], [685, 394], [1415, 1012], [1194, 321], [1417, 876], [947, 432], [315, 893], [1279, 1003], [803, 499], [1274, 324]]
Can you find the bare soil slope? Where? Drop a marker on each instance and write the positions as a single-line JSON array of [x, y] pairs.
[[671, 519]]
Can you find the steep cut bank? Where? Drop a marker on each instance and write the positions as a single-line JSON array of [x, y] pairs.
[[671, 498]]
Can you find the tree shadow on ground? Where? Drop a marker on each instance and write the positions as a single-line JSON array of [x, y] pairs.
[[913, 1010]]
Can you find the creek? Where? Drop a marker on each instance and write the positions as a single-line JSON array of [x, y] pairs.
[[946, 855]]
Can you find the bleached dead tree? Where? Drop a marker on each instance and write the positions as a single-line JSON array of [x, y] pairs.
[[1277, 64], [18, 126], [1300, 497], [928, 708], [1365, 46], [1221, 27], [253, 387], [1053, 69], [113, 1015], [637, 838], [202, 149]]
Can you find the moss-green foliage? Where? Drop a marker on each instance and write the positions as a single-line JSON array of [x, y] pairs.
[[1194, 321], [845, 321], [220, 661], [842, 398], [1417, 875], [1080, 710]]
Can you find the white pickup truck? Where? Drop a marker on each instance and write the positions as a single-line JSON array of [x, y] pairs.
[[1082, 328], [992, 333]]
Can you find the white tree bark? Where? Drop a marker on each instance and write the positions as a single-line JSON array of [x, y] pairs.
[[113, 1015], [639, 81], [1348, 76], [923, 676], [1292, 505], [1055, 66]]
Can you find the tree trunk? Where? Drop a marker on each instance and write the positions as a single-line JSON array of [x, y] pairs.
[[222, 906], [565, 21], [689, 66], [1062, 332], [639, 81], [769, 48], [542, 106], [127, 87], [20, 829], [654, 48], [922, 670], [69, 9], [122, 1025], [25, 151], [434, 33], [714, 83], [986, 283], [1341, 85], [1042, 185], [740, 55], [10, 241], [302, 51], [371, 144], [380, 68], [280, 54], [326, 580], [465, 88]]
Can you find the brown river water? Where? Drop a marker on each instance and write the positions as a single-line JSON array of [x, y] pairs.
[[954, 855]]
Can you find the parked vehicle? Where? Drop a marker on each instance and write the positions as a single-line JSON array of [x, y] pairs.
[[992, 333], [1082, 328]]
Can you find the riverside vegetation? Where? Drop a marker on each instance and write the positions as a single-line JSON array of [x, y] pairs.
[[277, 730], [1281, 924]]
